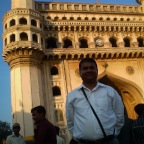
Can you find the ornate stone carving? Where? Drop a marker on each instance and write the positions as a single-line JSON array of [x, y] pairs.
[[130, 70]]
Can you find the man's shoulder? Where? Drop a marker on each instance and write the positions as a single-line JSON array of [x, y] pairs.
[[76, 90]]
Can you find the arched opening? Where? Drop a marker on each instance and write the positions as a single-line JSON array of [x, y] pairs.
[[113, 41], [12, 38], [23, 21], [12, 22], [64, 18], [126, 42], [140, 42], [34, 38], [67, 43], [79, 18], [93, 18], [41, 41], [5, 26], [56, 91], [51, 43], [128, 91], [71, 18], [83, 43], [5, 41], [34, 22], [54, 71], [23, 36]]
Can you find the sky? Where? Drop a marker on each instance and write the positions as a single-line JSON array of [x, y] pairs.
[[5, 100]]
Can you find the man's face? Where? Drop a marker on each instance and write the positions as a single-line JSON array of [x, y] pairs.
[[16, 130], [88, 72], [36, 116]]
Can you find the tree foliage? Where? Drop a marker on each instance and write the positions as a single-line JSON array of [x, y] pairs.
[[5, 130]]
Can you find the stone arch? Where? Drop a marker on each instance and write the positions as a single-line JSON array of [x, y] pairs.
[[23, 36], [35, 38], [140, 41], [127, 41], [67, 42], [83, 42], [34, 22], [130, 93], [51, 42], [23, 21], [12, 22], [12, 38], [113, 41], [56, 91], [54, 70]]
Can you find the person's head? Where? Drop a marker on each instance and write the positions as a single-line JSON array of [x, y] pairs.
[[38, 113], [57, 130], [16, 128], [139, 109], [88, 70]]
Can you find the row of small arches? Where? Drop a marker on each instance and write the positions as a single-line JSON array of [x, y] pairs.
[[23, 37], [93, 18], [22, 21], [67, 43], [83, 43]]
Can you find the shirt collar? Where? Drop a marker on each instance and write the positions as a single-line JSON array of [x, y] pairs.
[[97, 85], [13, 135]]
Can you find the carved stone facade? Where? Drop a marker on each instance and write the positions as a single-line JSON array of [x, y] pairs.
[[44, 41]]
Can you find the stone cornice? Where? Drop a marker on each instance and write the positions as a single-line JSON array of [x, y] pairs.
[[87, 7], [98, 53], [23, 56], [22, 12]]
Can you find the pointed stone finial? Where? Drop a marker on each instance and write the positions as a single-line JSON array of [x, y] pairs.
[[30, 4]]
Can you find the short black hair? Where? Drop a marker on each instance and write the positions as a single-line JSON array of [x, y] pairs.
[[139, 109], [39, 109], [87, 60]]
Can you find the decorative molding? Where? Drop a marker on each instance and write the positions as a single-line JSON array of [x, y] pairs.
[[130, 70]]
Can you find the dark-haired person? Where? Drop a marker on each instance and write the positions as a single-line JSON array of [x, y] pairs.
[[106, 102], [138, 125], [44, 131], [16, 137]]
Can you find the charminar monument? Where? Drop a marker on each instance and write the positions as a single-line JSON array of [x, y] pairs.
[[44, 41]]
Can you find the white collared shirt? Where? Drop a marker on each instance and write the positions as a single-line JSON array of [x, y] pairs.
[[12, 139], [108, 105]]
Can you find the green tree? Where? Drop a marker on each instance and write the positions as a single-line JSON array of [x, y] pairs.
[[5, 130]]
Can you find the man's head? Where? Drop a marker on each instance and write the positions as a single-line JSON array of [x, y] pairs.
[[88, 70], [38, 113], [16, 128], [139, 109]]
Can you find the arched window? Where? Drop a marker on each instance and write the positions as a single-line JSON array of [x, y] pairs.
[[83, 43], [93, 18], [86, 18], [12, 38], [5, 26], [121, 19], [23, 21], [100, 18], [140, 42], [126, 42], [113, 42], [67, 43], [41, 41], [34, 38], [56, 91], [64, 18], [79, 18], [33, 23], [54, 71], [49, 17], [115, 19], [12, 22], [51, 43], [71, 18], [23, 36], [5, 41], [56, 18], [108, 18]]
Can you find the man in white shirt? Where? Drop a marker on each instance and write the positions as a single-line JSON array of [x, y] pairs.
[[16, 137], [106, 102]]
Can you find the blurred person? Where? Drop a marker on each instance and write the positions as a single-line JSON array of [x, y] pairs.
[[16, 137], [44, 131], [60, 140]]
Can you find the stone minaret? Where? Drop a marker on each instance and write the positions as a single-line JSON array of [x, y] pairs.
[[23, 50]]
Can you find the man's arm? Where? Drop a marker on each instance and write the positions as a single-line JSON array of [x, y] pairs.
[[8, 140], [69, 115], [119, 112]]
